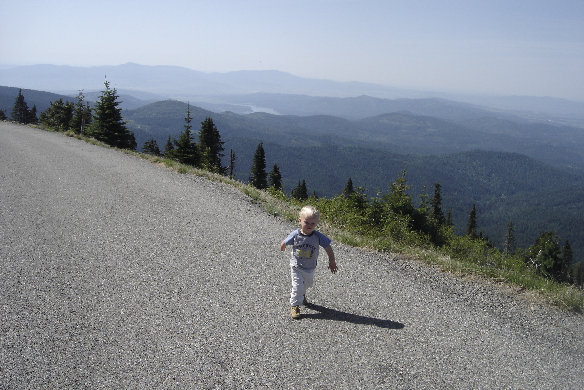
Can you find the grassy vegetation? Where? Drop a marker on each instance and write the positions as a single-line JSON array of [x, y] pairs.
[[464, 256], [348, 220]]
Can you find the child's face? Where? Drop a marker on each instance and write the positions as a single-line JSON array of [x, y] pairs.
[[307, 224]]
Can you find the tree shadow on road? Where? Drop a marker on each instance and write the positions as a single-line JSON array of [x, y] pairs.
[[324, 313]]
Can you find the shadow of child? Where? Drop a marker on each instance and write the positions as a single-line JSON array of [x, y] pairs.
[[324, 313]]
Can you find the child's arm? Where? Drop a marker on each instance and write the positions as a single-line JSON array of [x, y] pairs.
[[331, 255], [288, 240]]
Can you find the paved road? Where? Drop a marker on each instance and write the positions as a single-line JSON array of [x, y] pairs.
[[116, 273]]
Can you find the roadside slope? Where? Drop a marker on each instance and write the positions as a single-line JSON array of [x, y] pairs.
[[116, 273]]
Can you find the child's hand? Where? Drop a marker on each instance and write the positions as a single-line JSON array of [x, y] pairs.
[[282, 246], [333, 267], [331, 257]]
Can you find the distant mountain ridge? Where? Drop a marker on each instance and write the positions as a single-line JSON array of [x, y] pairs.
[[177, 81], [222, 89]]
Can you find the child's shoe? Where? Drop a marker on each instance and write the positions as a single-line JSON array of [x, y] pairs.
[[295, 312]]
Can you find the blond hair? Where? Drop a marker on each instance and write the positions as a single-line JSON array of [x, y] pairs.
[[309, 211]]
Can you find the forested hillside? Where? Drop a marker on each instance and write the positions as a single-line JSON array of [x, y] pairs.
[[401, 132], [327, 151]]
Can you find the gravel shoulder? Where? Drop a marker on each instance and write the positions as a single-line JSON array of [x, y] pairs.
[[117, 273]]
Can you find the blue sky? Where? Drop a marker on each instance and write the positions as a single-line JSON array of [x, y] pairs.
[[511, 47]]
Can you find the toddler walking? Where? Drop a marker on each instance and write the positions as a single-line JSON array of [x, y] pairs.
[[306, 242]]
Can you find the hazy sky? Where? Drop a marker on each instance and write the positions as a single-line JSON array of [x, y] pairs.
[[517, 47]]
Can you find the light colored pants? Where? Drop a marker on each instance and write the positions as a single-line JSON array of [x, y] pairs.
[[302, 279]]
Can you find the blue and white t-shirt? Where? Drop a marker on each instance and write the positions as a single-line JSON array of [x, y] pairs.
[[305, 248]]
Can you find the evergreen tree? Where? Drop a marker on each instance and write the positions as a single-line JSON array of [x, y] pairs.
[[169, 148], [211, 147], [471, 225], [509, 244], [398, 201], [424, 207], [358, 198], [81, 115], [58, 116], [275, 178], [108, 125], [544, 254], [151, 147], [186, 150], [32, 115], [422, 220], [349, 190], [436, 204], [231, 163], [20, 112], [67, 115], [258, 176], [300, 192], [3, 116]]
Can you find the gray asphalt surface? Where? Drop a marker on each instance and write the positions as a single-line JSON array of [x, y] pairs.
[[117, 273]]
